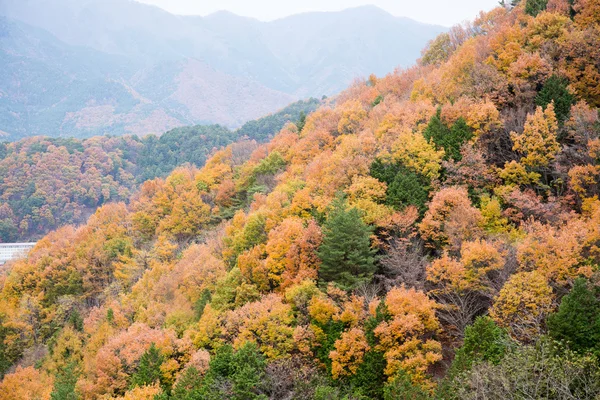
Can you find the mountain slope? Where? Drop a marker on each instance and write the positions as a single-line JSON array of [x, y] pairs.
[[276, 53], [336, 47], [127, 76], [431, 234], [51, 88]]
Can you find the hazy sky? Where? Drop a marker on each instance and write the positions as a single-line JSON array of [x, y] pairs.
[[443, 12]]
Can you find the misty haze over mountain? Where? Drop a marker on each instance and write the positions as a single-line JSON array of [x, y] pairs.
[[81, 68]]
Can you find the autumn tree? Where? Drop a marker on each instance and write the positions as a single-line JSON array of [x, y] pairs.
[[450, 219], [438, 50], [579, 49], [266, 322], [555, 252], [406, 338], [465, 286], [352, 113], [292, 252], [346, 254], [538, 143], [522, 305], [417, 153], [349, 351], [66, 353], [587, 12], [26, 383], [564, 7], [118, 358]]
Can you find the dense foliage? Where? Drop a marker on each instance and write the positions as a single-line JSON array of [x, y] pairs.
[[46, 183], [232, 280]]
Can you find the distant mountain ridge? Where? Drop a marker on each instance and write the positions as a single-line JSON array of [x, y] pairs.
[[134, 68]]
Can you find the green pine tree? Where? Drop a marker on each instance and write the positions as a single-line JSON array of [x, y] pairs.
[[534, 7], [76, 321], [201, 303], [248, 372], [369, 379], [346, 254], [301, 121], [148, 371], [64, 384], [221, 363], [405, 187], [110, 316], [577, 321], [555, 90], [450, 139], [436, 131], [460, 133], [377, 101]]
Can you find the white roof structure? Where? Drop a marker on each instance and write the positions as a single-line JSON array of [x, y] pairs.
[[11, 251]]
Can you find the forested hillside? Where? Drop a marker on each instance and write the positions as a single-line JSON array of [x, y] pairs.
[[432, 234], [46, 183]]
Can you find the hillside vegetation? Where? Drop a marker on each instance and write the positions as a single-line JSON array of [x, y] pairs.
[[434, 234], [46, 183]]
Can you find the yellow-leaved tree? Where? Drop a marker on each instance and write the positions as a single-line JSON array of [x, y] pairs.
[[538, 144], [407, 338]]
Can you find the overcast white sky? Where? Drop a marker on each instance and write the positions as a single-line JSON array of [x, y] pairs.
[[443, 12]]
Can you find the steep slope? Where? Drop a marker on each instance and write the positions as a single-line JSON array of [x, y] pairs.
[[433, 234]]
